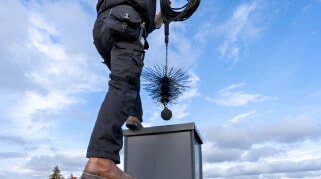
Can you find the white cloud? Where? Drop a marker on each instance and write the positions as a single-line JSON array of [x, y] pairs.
[[265, 151], [30, 115], [192, 91], [243, 135], [233, 98], [47, 69], [239, 29], [242, 116], [283, 148], [43, 164], [214, 154], [262, 168], [294, 128], [180, 109], [205, 31], [58, 69], [56, 76], [181, 52]]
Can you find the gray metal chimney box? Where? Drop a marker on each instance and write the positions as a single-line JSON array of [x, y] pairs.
[[164, 152]]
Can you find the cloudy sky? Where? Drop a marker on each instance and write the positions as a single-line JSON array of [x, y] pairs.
[[255, 91]]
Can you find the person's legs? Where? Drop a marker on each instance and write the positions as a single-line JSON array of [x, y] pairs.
[[122, 100]]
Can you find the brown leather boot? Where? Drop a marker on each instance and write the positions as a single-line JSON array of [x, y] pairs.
[[133, 123], [102, 168]]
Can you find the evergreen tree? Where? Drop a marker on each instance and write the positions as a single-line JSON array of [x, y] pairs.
[[56, 174]]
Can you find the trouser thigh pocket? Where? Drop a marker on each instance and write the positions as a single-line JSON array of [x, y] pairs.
[[124, 21]]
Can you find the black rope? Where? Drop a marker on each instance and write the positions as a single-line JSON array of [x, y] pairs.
[[178, 14]]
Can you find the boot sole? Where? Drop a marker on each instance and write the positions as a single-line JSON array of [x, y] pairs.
[[133, 125], [90, 176]]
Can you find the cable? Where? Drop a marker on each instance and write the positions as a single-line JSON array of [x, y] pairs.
[[178, 14]]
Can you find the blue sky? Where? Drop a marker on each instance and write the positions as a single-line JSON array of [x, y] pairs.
[[255, 92]]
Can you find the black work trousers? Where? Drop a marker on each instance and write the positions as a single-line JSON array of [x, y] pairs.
[[125, 60]]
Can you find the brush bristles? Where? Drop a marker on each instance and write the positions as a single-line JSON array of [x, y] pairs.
[[154, 83]]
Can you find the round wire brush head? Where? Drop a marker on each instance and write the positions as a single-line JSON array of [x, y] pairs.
[[165, 86]]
